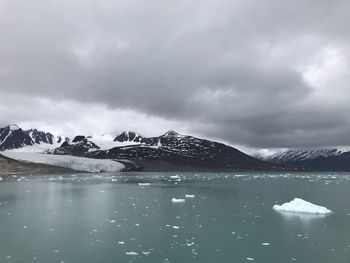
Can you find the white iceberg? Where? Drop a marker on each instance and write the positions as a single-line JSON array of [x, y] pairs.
[[190, 196], [67, 161], [174, 200], [299, 205]]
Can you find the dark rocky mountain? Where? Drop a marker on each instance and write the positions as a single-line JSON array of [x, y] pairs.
[[41, 137], [62, 139], [128, 136], [172, 148], [332, 159], [13, 137], [79, 146]]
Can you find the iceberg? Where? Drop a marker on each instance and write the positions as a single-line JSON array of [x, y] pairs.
[[67, 161], [174, 200], [299, 205]]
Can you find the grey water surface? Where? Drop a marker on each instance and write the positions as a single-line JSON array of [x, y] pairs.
[[87, 218]]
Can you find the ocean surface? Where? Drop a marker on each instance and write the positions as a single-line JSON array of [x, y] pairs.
[[97, 218]]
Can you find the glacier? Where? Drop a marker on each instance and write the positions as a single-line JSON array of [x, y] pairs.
[[67, 161]]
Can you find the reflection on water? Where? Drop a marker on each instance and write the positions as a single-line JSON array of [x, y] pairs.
[[131, 218]]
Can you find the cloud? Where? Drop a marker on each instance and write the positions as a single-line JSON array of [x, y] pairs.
[[267, 74], [71, 118]]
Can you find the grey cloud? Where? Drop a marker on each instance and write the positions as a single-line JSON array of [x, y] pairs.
[[233, 69]]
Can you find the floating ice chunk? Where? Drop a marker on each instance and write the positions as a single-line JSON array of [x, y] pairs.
[[144, 184], [176, 227], [190, 196], [301, 206], [174, 200], [121, 242], [250, 259], [175, 177], [265, 244], [132, 253]]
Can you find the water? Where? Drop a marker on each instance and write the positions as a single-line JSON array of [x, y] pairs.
[[107, 218]]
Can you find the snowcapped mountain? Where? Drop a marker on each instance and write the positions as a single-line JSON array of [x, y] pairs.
[[41, 137], [331, 159], [128, 136], [170, 147], [14, 137], [78, 147]]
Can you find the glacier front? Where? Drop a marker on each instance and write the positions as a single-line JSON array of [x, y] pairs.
[[67, 161]]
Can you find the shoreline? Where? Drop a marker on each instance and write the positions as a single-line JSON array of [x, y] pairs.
[[10, 167]]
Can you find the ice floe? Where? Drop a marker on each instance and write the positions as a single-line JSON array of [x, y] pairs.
[[299, 205], [175, 200], [190, 196]]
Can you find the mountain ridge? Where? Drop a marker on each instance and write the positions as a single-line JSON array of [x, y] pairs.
[[322, 159]]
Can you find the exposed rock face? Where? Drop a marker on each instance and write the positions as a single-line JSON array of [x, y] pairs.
[[128, 136], [41, 137], [12, 137], [79, 146]]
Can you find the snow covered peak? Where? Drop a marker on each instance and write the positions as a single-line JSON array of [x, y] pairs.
[[171, 133], [13, 127], [129, 136]]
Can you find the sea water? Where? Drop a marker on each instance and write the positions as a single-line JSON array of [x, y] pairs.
[[173, 217]]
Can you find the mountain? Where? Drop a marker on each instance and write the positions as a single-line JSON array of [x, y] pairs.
[[128, 136], [41, 137], [79, 146], [13, 137], [170, 148], [331, 159]]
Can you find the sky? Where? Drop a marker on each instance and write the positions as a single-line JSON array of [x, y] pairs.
[[258, 74]]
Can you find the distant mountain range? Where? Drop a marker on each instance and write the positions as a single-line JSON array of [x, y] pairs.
[[332, 159], [173, 151]]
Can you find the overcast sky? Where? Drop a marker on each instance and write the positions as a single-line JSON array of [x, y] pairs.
[[259, 74]]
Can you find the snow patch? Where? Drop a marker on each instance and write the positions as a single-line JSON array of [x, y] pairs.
[[299, 205], [105, 142]]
